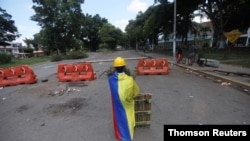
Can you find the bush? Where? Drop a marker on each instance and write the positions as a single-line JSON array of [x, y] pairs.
[[28, 50], [56, 58], [102, 46], [5, 58]]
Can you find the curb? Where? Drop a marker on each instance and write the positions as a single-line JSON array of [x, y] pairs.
[[243, 86]]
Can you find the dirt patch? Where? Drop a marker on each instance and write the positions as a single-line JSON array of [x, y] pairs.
[[22, 108], [70, 107], [44, 89]]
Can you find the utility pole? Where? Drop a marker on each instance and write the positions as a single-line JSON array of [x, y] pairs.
[[174, 37]]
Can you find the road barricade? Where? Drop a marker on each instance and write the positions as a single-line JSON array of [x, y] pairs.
[[75, 72], [17, 75], [152, 66], [1, 75]]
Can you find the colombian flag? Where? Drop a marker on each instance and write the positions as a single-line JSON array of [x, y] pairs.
[[123, 90]]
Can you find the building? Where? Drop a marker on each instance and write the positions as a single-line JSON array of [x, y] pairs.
[[203, 36], [14, 49], [11, 47]]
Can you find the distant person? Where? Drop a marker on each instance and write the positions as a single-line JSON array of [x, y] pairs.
[[144, 49], [123, 90], [179, 54], [201, 61], [192, 52], [146, 46]]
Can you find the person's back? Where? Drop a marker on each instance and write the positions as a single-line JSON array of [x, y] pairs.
[[192, 49], [179, 54], [201, 60], [123, 89], [192, 52], [179, 50]]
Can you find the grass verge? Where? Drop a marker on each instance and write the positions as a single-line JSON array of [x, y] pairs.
[[25, 61]]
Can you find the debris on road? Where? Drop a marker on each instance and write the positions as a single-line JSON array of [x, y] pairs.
[[62, 91]]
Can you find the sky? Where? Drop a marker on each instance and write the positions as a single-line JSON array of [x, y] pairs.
[[117, 12]]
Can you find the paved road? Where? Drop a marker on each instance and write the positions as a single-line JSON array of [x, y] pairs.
[[38, 113]]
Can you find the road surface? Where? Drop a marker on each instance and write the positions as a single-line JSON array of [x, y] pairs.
[[45, 112]]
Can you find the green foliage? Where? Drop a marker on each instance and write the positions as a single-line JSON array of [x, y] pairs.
[[110, 35], [32, 42], [61, 22], [159, 19], [239, 15], [7, 26], [103, 46], [24, 61], [28, 50], [89, 33], [225, 15], [55, 58], [5, 58], [65, 25]]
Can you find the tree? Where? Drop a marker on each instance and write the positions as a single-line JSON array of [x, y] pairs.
[[153, 24], [135, 33], [89, 30], [239, 18], [184, 16], [226, 15], [132, 33], [215, 10], [8, 30], [136, 30], [185, 10], [30, 42], [60, 21], [159, 19], [110, 35], [123, 40]]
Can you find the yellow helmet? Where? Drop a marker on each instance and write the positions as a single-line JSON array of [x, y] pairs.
[[119, 61]]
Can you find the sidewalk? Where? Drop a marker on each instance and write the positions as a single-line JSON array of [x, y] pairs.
[[222, 67], [238, 76]]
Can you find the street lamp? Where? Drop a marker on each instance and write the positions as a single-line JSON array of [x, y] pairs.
[[174, 37]]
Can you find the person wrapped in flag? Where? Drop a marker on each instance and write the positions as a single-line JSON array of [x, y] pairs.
[[123, 90]]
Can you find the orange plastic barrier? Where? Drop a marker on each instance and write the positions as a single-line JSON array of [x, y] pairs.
[[25, 75], [144, 66], [1, 75], [152, 66], [17, 75], [75, 72], [162, 66]]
